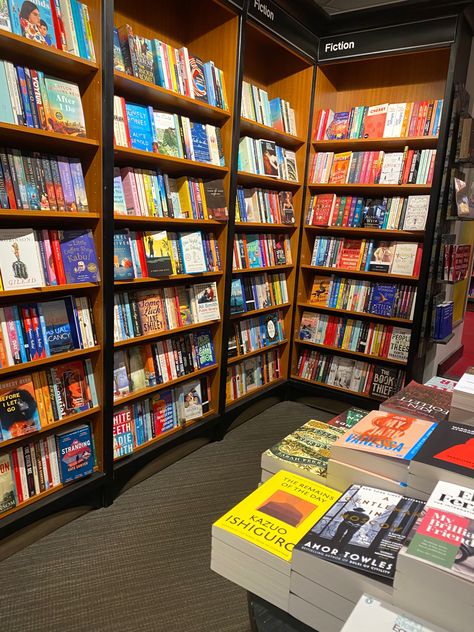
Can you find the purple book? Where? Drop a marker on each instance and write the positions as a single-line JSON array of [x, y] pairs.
[[67, 184], [79, 185], [79, 256]]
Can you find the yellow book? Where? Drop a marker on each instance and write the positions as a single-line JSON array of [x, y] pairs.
[[172, 60], [203, 198], [340, 293], [39, 399], [148, 193], [184, 197], [406, 119], [277, 515], [347, 333], [361, 253]]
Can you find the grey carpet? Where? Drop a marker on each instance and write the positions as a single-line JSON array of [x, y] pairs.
[[143, 563]]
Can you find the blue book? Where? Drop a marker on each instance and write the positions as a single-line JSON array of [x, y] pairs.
[[79, 256], [356, 222], [209, 78], [6, 110], [123, 262], [118, 57], [383, 299], [37, 28], [139, 124], [25, 99], [370, 251], [202, 343], [75, 452], [237, 298], [439, 107], [79, 28], [58, 328], [200, 143], [138, 416], [158, 63]]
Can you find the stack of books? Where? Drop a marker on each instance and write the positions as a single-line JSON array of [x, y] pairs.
[[266, 158], [462, 405], [421, 401], [456, 261], [443, 320], [276, 112], [259, 205]]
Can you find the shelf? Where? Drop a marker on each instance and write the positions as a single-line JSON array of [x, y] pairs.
[[287, 266], [45, 217], [347, 312], [161, 334], [336, 388], [452, 282], [170, 164], [58, 357], [258, 130], [443, 341], [256, 312], [252, 226], [26, 52], [173, 277], [144, 392], [397, 234], [249, 354], [380, 188], [362, 144], [361, 273], [459, 219], [51, 427], [49, 289], [256, 392], [165, 221], [151, 94], [253, 179], [358, 354], [42, 140]]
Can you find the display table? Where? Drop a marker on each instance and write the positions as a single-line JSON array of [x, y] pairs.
[[265, 617]]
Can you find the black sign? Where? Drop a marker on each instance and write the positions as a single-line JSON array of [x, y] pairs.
[[383, 40], [283, 25]]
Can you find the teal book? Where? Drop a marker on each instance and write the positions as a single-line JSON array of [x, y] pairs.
[[254, 253], [65, 113], [139, 125], [33, 21], [6, 110]]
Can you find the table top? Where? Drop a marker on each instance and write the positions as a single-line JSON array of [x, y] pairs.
[[265, 617]]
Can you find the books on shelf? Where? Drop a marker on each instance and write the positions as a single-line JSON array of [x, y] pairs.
[[266, 158], [419, 400], [152, 311], [263, 206], [175, 69], [276, 112], [386, 120], [456, 259], [259, 332], [359, 336], [390, 300], [75, 452], [168, 359], [443, 320], [411, 166], [251, 373], [261, 291], [260, 250]]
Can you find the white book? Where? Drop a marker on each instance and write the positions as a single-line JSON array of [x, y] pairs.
[[417, 212], [391, 168], [213, 146], [394, 120], [20, 264], [399, 344], [206, 301], [404, 257], [192, 251]]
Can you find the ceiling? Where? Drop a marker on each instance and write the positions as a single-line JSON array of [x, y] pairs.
[[335, 7]]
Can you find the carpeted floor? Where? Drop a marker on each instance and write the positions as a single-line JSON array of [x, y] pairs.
[[143, 563]]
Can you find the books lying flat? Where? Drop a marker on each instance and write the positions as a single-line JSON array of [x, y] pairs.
[[318, 595], [309, 614], [421, 401], [463, 394]]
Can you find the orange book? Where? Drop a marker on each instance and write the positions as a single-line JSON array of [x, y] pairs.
[[320, 291], [340, 167], [374, 122], [406, 119], [40, 399], [46, 397]]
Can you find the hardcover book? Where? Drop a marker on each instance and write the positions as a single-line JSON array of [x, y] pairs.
[[139, 125], [157, 253], [123, 432], [150, 308], [18, 408], [404, 257], [167, 140], [270, 160], [338, 127], [206, 301], [192, 251], [65, 114], [383, 299], [382, 257], [373, 214], [61, 336], [123, 262], [399, 344], [215, 199], [71, 388], [7, 485], [421, 401], [374, 122], [308, 326], [322, 209], [416, 212], [20, 264], [76, 453], [348, 418], [320, 290], [79, 256], [385, 381], [33, 22]]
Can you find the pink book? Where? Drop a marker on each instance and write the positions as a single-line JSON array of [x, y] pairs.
[[49, 258], [130, 191], [12, 334]]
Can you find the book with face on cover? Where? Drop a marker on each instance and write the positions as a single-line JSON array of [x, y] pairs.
[[18, 408], [205, 302], [20, 263]]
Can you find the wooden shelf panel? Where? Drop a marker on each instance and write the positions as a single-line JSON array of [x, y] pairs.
[[49, 289], [416, 235], [258, 130], [130, 157], [144, 392], [162, 334], [358, 354], [45, 217], [40, 139], [133, 89], [254, 180], [26, 52], [244, 227], [336, 388], [58, 357], [386, 144], [347, 312], [361, 273], [397, 189], [256, 312], [249, 354], [164, 279], [288, 266], [260, 390], [165, 221]]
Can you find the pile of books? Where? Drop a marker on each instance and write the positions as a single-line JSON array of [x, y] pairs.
[[64, 24], [249, 374], [259, 205], [276, 112], [392, 213], [462, 405], [168, 67], [456, 261], [386, 120], [261, 250], [266, 158], [443, 320], [411, 166], [249, 293]]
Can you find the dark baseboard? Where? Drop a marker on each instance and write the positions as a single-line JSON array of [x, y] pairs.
[[444, 366]]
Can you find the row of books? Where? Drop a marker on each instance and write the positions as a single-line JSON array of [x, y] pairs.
[[37, 258], [149, 418], [33, 402], [150, 193], [45, 463], [144, 366], [260, 205], [276, 112], [411, 166], [29, 97], [401, 258], [163, 309], [456, 261], [386, 120], [41, 330], [249, 293], [40, 182], [251, 334], [266, 158], [443, 320], [246, 376], [361, 336], [390, 213], [259, 250], [64, 24], [147, 254], [175, 69], [356, 376], [391, 300], [141, 127]]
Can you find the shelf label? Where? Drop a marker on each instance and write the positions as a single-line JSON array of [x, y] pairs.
[[274, 18], [429, 33]]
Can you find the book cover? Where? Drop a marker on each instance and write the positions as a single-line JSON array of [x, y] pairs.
[[215, 199], [20, 263], [33, 20], [441, 383], [206, 301], [416, 212], [7, 484], [123, 432], [399, 344], [65, 114], [253, 250], [192, 251], [166, 134], [391, 168], [320, 290], [348, 418], [18, 408], [157, 253], [338, 127], [404, 257], [419, 400], [123, 262], [373, 214], [164, 412], [363, 530], [118, 57], [5, 21], [450, 447], [322, 209], [270, 328], [200, 142], [308, 326], [79, 256], [350, 254], [202, 342], [287, 210], [198, 79], [291, 166], [382, 257], [191, 401], [139, 126], [150, 308], [237, 298], [58, 327], [385, 382], [72, 389], [270, 160], [121, 381], [278, 513], [374, 122], [383, 298], [76, 453], [340, 167]]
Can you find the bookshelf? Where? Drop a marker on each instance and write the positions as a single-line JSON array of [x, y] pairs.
[[341, 85], [89, 150]]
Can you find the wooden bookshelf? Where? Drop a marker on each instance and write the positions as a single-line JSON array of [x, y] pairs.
[[374, 189], [350, 313], [247, 179], [258, 130], [360, 273], [338, 351], [181, 222], [163, 334], [262, 310], [357, 233], [167, 279], [249, 354], [249, 227], [385, 144], [125, 156]]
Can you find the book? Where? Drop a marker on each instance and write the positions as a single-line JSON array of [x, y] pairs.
[[441, 383], [404, 257], [167, 135], [399, 344], [7, 484], [157, 253], [65, 114], [373, 214], [123, 432], [320, 291], [20, 263], [382, 300], [416, 212], [420, 401], [76, 453], [123, 260], [192, 251], [139, 126], [79, 256], [237, 299], [19, 413], [339, 126], [206, 303], [385, 382], [35, 22], [61, 336], [374, 122], [382, 257]]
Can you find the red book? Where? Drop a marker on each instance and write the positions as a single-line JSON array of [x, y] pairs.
[[28, 327], [419, 255], [141, 254], [420, 123], [316, 125], [374, 122], [35, 323], [347, 210], [406, 168], [350, 254], [429, 178], [414, 119], [16, 474], [59, 30], [365, 166], [57, 258], [9, 185], [323, 209]]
